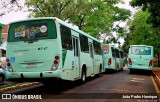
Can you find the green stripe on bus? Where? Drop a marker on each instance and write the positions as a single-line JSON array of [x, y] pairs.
[[64, 53]]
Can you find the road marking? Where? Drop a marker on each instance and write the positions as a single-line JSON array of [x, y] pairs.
[[138, 78], [155, 85], [138, 81], [115, 90]]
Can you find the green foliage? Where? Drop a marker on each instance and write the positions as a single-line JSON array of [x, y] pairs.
[[141, 32], [152, 6], [91, 16]]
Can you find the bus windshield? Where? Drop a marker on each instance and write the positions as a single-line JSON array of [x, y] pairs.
[[141, 50], [32, 30]]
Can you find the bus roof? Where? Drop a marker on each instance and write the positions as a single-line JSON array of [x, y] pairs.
[[141, 45], [61, 22]]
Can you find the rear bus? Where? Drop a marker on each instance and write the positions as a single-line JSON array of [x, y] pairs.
[[140, 57], [34, 49]]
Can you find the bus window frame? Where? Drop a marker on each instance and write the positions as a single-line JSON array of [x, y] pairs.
[[11, 37], [140, 49]]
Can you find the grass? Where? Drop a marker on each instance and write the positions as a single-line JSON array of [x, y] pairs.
[[4, 86], [12, 86], [155, 65]]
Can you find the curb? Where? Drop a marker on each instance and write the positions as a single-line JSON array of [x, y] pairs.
[[157, 79], [10, 88]]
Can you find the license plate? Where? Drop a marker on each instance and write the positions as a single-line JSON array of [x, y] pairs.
[[140, 64], [31, 65]]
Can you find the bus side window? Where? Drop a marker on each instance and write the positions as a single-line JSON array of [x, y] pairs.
[[97, 48], [66, 38], [113, 52], [117, 53], [84, 43], [122, 55]]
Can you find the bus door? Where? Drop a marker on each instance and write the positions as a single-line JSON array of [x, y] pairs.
[[120, 60], [114, 57], [91, 56], [76, 56]]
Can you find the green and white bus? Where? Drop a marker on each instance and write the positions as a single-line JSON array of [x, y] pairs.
[[50, 48], [140, 57], [113, 58]]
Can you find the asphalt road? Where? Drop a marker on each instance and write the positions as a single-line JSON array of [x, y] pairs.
[[109, 87]]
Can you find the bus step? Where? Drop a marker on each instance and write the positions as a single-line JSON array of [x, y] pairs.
[[92, 75]]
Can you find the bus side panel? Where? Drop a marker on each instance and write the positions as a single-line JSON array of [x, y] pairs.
[[69, 66], [97, 62], [106, 58], [118, 64], [113, 60], [85, 60]]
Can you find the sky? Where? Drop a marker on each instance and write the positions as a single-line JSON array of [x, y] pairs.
[[14, 16], [123, 24]]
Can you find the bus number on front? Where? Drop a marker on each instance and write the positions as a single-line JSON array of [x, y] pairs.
[[42, 48]]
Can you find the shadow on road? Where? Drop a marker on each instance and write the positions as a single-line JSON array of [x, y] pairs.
[[112, 71], [141, 72], [56, 87]]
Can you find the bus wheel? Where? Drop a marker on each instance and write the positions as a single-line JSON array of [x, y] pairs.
[[100, 70], [149, 72], [1, 79], [131, 71], [83, 77], [117, 67], [121, 69]]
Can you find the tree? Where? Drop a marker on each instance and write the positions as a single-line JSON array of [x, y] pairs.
[[152, 6], [91, 16], [141, 32]]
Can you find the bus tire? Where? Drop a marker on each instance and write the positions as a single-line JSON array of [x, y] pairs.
[[117, 67], [149, 72], [131, 71], [1, 80], [100, 70], [121, 69], [83, 76]]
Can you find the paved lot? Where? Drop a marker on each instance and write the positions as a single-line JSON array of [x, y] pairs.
[[104, 88]]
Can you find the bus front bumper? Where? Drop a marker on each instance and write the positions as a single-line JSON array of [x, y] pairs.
[[140, 67]]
